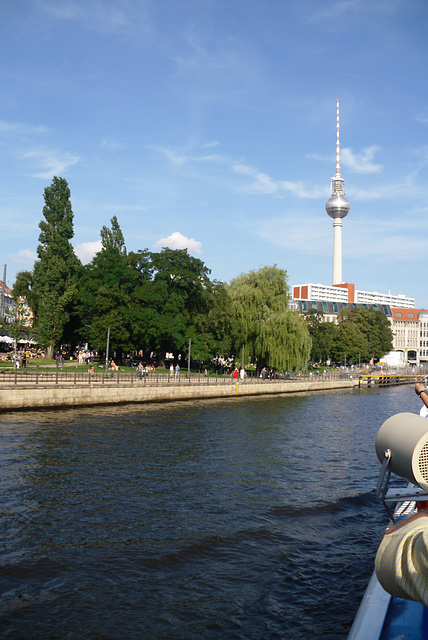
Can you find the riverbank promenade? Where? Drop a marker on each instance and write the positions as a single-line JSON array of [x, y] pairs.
[[45, 390]]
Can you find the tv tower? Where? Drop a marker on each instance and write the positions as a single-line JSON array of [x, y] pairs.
[[337, 208]]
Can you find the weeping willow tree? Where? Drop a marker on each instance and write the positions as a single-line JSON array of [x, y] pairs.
[[274, 335]]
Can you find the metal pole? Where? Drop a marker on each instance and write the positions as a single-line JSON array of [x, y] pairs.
[[107, 347], [3, 293], [188, 359]]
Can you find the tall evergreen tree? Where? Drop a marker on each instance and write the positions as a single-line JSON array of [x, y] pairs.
[[54, 283]]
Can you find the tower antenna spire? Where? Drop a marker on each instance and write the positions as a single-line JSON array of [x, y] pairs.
[[337, 142]]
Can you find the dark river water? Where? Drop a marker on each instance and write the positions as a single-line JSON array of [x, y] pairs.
[[246, 518]]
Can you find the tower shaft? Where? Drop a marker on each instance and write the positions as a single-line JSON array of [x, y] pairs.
[[337, 251]]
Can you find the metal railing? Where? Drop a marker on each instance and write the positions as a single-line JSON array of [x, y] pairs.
[[69, 376]]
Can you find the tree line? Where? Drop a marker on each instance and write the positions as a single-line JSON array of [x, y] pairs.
[[155, 302]]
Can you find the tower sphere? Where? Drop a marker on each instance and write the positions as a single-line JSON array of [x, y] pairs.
[[337, 206]]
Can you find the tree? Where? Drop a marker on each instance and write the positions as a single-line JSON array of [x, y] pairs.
[[54, 278], [323, 335], [350, 344], [174, 293], [211, 326], [274, 335], [107, 294], [362, 334]]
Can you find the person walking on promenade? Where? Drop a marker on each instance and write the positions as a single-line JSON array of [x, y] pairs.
[[235, 374], [140, 369]]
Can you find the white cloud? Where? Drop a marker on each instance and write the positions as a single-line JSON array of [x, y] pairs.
[[360, 162], [283, 231], [262, 182], [24, 256], [97, 16], [20, 128], [301, 191], [177, 241], [106, 143], [422, 117], [54, 162], [87, 250]]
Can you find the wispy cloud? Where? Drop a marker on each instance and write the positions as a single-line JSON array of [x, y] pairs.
[[360, 162], [111, 145], [180, 157], [284, 232], [19, 128], [302, 191], [335, 10], [422, 117], [103, 16], [53, 162], [178, 241], [259, 182], [262, 183], [24, 256]]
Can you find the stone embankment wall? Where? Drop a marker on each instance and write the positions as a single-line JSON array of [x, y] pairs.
[[43, 396]]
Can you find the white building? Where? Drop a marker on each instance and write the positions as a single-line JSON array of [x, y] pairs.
[[346, 292]]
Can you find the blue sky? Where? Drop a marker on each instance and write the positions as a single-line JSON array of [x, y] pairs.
[[211, 124]]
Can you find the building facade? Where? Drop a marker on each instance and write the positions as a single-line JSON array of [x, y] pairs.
[[409, 326], [346, 292]]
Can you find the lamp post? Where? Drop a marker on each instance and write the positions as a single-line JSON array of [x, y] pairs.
[[108, 342], [188, 359]]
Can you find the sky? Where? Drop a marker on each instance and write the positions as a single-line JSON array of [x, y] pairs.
[[211, 125]]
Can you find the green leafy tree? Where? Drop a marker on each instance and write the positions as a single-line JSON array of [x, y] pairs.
[[174, 292], [362, 334], [107, 292], [323, 335], [23, 288], [350, 344], [52, 288], [211, 327], [274, 335], [377, 330]]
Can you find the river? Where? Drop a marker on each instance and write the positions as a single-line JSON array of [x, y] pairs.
[[251, 518]]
